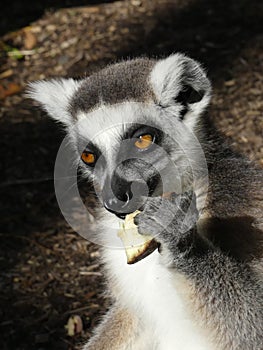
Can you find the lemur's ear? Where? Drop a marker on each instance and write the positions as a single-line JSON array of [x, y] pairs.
[[181, 82], [54, 96]]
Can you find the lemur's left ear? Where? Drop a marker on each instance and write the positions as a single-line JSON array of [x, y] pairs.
[[181, 82], [54, 96]]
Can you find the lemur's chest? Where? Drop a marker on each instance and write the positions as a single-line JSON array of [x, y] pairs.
[[153, 292]]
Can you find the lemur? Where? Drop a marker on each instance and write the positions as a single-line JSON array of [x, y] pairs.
[[202, 288]]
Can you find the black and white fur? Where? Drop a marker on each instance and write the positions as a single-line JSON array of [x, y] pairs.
[[203, 289]]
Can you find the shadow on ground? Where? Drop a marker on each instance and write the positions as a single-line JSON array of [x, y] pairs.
[[16, 14]]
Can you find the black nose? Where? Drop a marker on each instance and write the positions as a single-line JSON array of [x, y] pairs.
[[126, 200]]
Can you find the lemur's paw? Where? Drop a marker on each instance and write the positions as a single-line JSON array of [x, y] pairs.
[[167, 219]]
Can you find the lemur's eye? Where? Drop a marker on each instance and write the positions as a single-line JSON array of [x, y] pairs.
[[88, 158], [144, 141]]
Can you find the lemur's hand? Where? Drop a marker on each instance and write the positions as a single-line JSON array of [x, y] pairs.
[[168, 220]]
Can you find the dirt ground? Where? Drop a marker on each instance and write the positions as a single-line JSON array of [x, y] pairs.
[[48, 272]]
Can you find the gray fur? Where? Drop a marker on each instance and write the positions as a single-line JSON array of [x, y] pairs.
[[108, 86]]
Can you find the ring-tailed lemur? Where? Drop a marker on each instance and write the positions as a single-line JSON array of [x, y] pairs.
[[203, 288]]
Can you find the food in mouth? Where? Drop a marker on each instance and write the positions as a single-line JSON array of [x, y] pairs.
[[137, 246]]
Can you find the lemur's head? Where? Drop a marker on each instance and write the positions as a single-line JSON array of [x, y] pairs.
[[131, 125]]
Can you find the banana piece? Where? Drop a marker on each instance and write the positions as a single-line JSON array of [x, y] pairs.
[[137, 246]]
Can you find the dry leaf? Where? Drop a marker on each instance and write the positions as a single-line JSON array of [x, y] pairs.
[[30, 39], [89, 295], [230, 82], [2, 92], [74, 325], [7, 73], [12, 88]]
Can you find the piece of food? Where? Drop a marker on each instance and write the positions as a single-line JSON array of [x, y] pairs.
[[137, 246]]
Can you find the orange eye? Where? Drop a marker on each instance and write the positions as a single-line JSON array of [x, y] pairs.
[[88, 157], [144, 141]]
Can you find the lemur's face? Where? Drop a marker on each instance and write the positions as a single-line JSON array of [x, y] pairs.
[[130, 125], [125, 153]]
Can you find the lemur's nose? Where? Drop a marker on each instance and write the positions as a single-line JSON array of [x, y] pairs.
[[125, 198]]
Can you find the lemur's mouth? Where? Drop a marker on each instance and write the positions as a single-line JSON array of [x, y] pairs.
[[121, 209], [125, 200]]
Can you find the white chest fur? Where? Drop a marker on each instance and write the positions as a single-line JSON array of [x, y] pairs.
[[149, 289]]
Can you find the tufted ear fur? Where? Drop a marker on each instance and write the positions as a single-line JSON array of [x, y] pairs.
[[54, 96], [181, 82]]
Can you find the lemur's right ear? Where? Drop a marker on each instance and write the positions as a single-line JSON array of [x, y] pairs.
[[181, 82], [54, 96]]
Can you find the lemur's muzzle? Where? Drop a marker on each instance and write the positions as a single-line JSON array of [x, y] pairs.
[[122, 197]]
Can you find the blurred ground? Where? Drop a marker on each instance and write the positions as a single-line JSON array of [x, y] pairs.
[[48, 272]]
